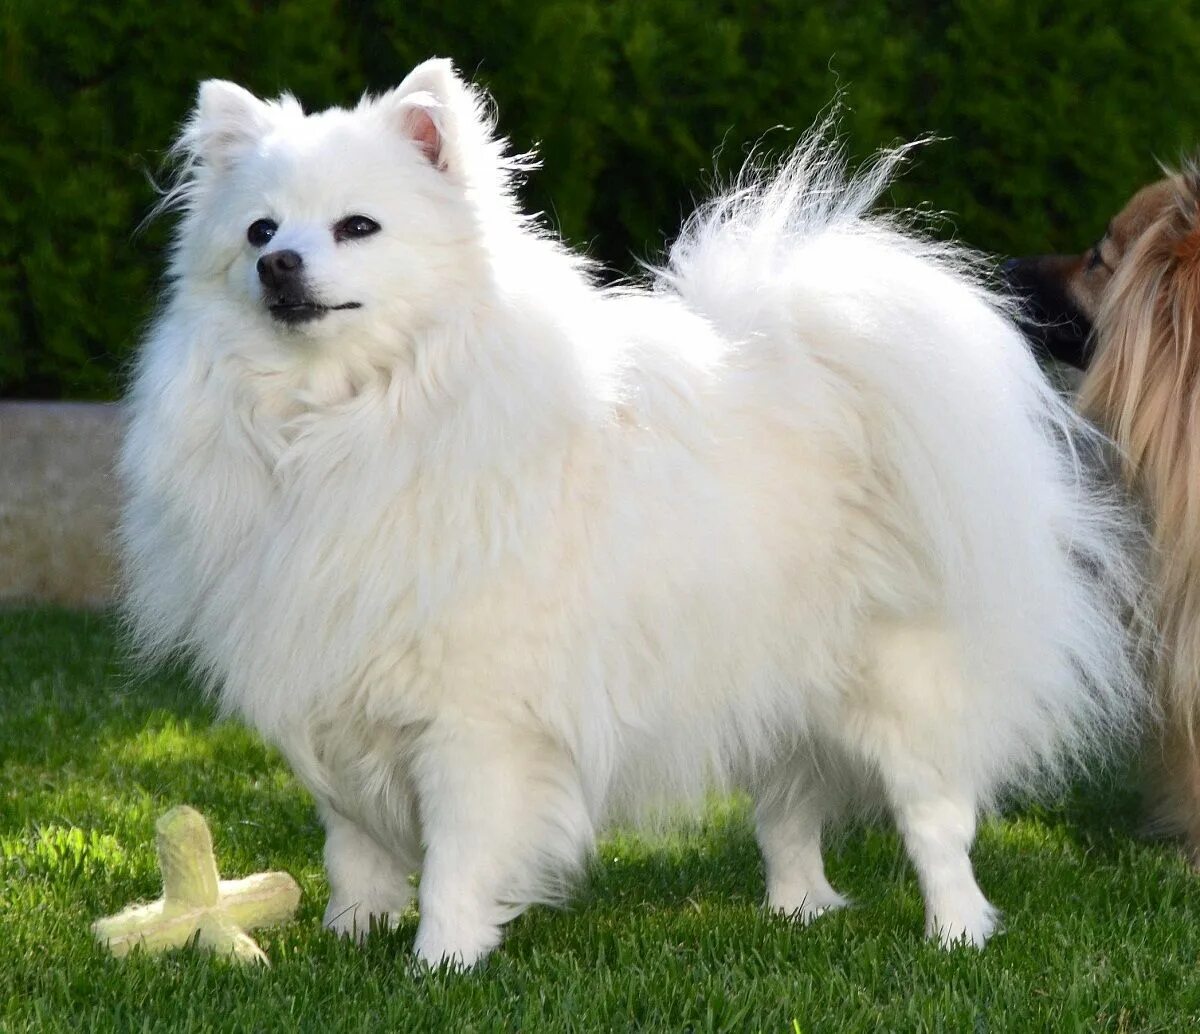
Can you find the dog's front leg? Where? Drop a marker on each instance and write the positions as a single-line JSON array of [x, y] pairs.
[[503, 821], [368, 883]]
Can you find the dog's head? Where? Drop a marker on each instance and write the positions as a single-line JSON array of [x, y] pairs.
[[1144, 377], [341, 223], [1142, 387], [1063, 294]]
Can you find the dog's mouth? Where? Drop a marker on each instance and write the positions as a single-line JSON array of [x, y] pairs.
[[1051, 320], [305, 311]]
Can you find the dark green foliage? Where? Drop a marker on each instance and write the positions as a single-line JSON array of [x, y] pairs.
[[1053, 112]]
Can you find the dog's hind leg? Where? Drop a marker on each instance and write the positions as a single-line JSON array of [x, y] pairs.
[[937, 822], [793, 805], [909, 730], [1176, 787]]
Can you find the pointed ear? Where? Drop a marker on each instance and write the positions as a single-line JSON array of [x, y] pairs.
[[427, 123], [428, 108], [436, 77], [226, 120]]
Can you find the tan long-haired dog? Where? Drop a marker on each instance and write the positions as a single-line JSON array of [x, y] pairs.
[[1129, 310]]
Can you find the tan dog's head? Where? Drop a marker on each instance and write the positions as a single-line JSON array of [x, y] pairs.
[[1064, 293], [1142, 387], [1143, 383]]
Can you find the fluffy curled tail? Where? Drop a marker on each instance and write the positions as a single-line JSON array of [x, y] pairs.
[[1001, 488]]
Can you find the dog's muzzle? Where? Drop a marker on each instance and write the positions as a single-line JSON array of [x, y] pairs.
[[1050, 320], [286, 291]]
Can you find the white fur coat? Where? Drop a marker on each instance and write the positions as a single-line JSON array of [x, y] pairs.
[[496, 555]]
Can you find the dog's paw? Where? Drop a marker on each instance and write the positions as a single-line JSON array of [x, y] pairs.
[[357, 923], [805, 905], [966, 928], [461, 948]]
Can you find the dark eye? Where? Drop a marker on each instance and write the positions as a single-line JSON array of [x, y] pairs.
[[261, 231], [1096, 259], [353, 227]]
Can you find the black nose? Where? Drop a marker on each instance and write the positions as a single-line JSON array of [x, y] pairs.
[[278, 267]]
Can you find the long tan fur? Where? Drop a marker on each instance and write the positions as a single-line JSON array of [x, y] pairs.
[[1143, 387]]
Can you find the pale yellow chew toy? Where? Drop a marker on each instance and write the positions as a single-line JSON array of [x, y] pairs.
[[194, 900]]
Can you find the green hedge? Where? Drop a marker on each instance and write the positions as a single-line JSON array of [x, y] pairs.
[[1054, 112]]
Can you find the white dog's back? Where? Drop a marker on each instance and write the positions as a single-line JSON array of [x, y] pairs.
[[521, 554]]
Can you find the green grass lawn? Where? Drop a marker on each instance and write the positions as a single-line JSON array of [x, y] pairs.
[[666, 932]]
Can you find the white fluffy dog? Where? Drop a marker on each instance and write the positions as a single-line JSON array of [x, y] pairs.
[[494, 555]]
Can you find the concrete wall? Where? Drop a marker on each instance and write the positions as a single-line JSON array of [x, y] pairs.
[[58, 502]]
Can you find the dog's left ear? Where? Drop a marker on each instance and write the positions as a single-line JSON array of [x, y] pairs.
[[433, 108]]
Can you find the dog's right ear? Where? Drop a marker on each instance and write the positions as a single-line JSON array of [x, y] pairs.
[[226, 121]]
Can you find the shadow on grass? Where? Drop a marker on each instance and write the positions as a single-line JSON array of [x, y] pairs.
[[90, 743]]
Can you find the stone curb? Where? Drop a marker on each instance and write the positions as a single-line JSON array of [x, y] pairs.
[[58, 502]]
